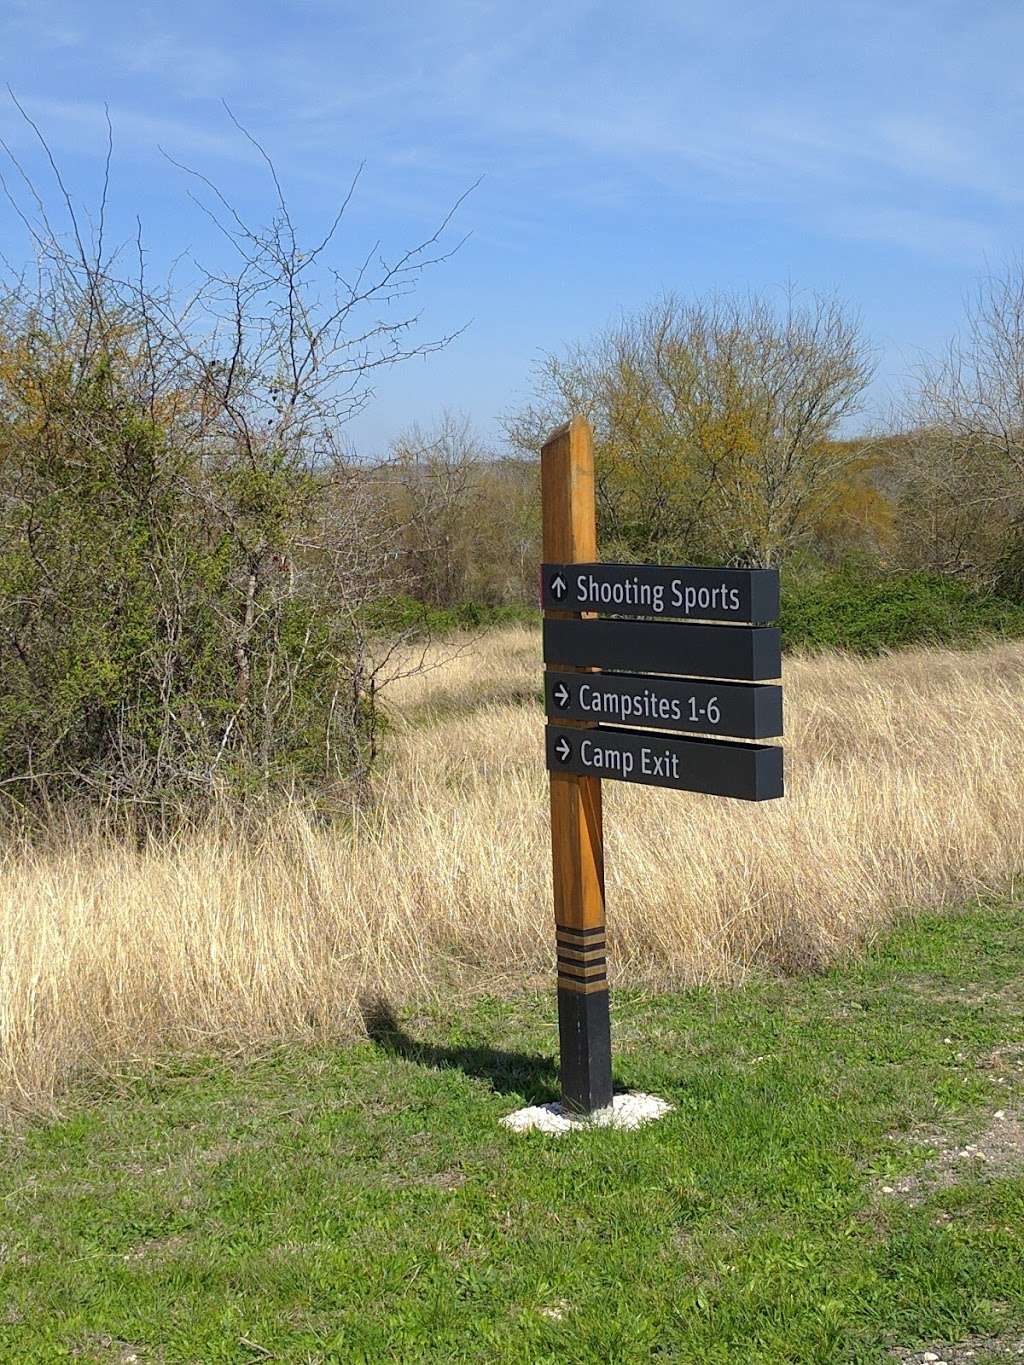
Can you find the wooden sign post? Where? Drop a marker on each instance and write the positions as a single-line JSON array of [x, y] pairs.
[[696, 657], [577, 842]]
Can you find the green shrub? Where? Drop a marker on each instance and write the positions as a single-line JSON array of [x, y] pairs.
[[176, 618], [851, 609], [867, 613], [421, 621]]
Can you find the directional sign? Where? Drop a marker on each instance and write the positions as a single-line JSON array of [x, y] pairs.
[[635, 654], [748, 652], [742, 710], [719, 767], [736, 595]]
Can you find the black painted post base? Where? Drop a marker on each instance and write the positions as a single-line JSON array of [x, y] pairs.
[[584, 1037]]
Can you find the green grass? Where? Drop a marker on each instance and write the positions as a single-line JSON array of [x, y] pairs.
[[866, 613], [363, 1204]]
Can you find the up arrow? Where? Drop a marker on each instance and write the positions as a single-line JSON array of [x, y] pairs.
[[562, 694], [558, 586], [563, 749]]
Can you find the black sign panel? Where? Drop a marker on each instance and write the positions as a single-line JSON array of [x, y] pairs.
[[742, 710], [718, 767], [751, 653], [664, 593]]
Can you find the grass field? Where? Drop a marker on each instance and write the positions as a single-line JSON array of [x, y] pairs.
[[905, 790], [813, 1197]]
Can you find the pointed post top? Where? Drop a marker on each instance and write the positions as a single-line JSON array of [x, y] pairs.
[[568, 494], [576, 425]]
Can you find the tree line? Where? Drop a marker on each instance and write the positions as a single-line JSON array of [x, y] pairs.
[[197, 573], [722, 435]]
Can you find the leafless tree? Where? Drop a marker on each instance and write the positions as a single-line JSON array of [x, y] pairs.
[[975, 393], [964, 474], [436, 470], [206, 421]]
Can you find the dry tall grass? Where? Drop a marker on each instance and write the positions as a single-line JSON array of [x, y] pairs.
[[905, 788]]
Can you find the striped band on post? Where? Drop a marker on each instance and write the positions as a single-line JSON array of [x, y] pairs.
[[582, 963]]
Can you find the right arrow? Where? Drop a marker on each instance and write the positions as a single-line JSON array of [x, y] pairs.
[[561, 695], [563, 749]]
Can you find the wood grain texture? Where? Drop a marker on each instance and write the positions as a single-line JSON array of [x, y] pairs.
[[568, 495], [570, 537]]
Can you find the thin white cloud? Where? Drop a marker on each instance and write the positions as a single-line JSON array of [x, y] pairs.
[[62, 121], [871, 120], [943, 237]]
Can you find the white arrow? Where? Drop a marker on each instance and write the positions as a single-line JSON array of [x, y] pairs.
[[558, 586], [562, 694], [563, 749]]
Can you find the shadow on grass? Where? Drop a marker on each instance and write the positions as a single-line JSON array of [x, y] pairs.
[[529, 1074]]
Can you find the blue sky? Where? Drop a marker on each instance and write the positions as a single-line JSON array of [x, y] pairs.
[[874, 149]]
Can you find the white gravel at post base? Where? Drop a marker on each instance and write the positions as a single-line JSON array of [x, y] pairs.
[[630, 1110]]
